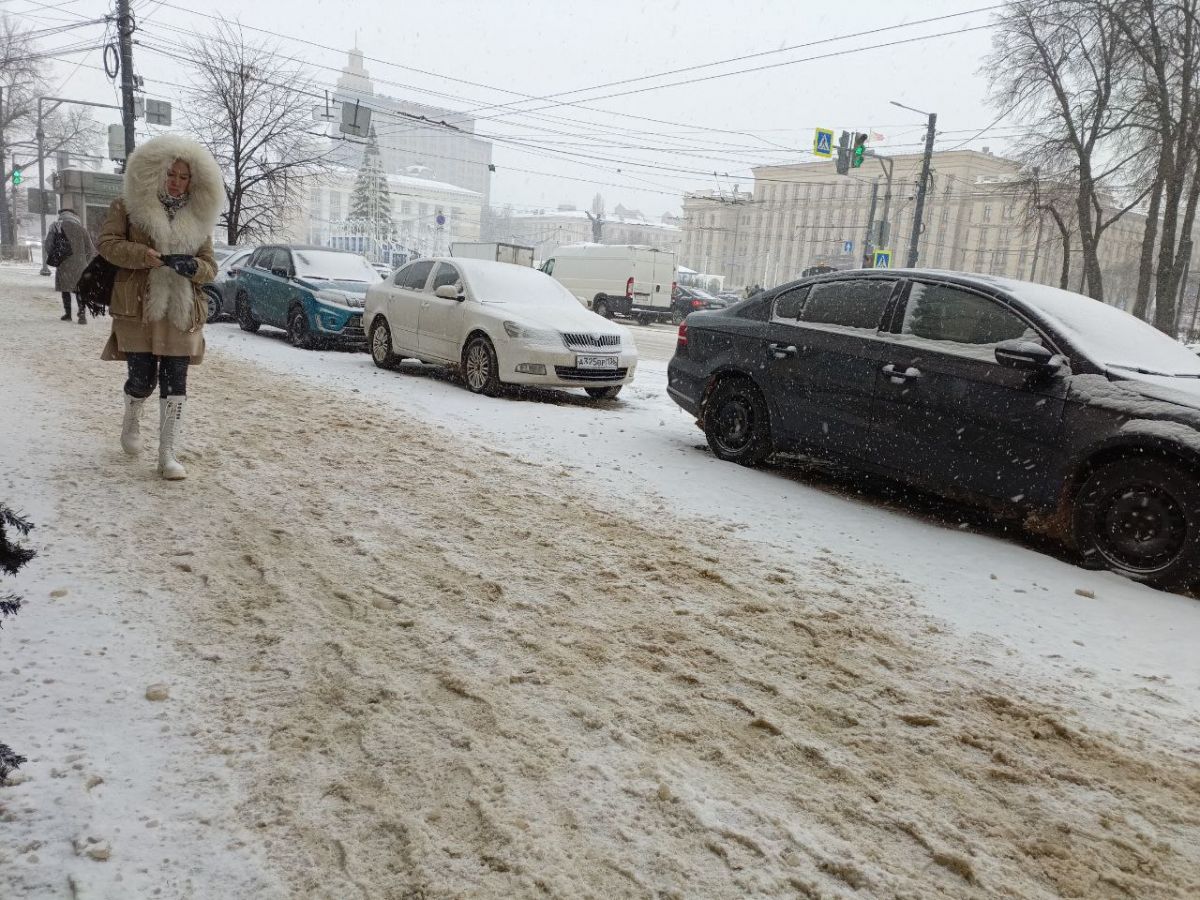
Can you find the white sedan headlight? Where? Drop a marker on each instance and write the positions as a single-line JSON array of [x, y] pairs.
[[534, 335]]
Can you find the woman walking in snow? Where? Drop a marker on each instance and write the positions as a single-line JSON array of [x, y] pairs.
[[68, 269], [159, 235]]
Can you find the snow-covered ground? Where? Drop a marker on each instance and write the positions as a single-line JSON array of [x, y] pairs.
[[419, 643]]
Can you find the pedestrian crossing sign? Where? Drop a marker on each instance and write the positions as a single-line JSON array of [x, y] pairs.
[[823, 143], [883, 259]]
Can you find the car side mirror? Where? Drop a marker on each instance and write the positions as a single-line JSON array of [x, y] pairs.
[[449, 292], [235, 272], [280, 272], [1026, 355]]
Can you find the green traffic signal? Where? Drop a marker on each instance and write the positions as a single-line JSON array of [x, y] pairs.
[[16, 176], [860, 149]]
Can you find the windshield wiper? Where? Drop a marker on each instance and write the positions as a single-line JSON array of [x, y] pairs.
[[1142, 371]]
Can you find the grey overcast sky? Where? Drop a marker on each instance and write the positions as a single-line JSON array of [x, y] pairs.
[[539, 47]]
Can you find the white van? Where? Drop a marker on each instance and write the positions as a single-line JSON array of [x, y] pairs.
[[628, 280]]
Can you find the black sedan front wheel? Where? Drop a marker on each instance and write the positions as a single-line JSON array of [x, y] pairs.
[[1140, 518], [736, 422]]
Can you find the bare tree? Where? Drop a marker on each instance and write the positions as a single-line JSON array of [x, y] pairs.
[[22, 81], [1165, 42], [252, 108], [1062, 63], [1052, 202]]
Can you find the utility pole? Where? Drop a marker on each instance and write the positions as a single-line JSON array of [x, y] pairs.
[[868, 243], [1037, 199], [5, 226], [919, 211], [125, 47]]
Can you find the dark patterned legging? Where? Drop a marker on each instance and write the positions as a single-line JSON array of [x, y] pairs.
[[144, 368]]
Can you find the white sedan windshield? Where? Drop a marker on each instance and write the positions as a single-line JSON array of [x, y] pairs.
[[505, 283]]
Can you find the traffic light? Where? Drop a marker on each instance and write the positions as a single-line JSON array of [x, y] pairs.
[[843, 154], [16, 176], [860, 150]]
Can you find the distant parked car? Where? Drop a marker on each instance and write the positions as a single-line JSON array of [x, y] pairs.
[[314, 293], [686, 300], [500, 323], [222, 292], [1020, 396]]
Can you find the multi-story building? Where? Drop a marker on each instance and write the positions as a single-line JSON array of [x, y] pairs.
[[805, 215], [715, 226], [414, 139], [546, 230], [417, 204]]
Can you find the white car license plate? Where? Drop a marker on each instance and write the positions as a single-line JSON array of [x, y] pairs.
[[595, 362]]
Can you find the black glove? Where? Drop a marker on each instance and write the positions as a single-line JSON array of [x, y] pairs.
[[181, 263]]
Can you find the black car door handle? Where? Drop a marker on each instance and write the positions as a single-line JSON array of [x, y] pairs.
[[782, 351], [899, 377]]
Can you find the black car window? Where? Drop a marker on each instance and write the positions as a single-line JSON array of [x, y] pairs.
[[851, 304], [960, 319], [787, 306], [548, 268], [414, 275], [283, 260], [446, 275], [262, 258]]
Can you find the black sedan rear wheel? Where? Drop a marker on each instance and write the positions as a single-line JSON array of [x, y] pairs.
[[1141, 518], [736, 422]]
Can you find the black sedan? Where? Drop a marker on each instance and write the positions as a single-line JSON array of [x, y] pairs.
[[1020, 396], [687, 300]]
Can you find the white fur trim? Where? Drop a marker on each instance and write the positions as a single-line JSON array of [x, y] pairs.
[[171, 295]]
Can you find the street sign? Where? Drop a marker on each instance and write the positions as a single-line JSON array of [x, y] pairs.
[[39, 201], [823, 143], [158, 112], [356, 120], [116, 141], [883, 259], [847, 247]]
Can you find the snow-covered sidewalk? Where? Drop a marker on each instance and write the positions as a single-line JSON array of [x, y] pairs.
[[409, 656]]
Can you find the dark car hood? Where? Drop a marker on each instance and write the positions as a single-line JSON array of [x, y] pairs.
[[1138, 396], [1166, 388]]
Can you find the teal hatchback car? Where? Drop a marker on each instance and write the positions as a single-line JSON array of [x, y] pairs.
[[314, 293]]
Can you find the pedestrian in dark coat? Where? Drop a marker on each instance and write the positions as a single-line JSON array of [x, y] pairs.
[[67, 272]]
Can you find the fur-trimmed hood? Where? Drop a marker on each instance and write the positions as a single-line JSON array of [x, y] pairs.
[[171, 296], [145, 174]]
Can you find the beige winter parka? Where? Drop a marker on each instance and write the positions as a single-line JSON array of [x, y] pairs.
[[155, 310]]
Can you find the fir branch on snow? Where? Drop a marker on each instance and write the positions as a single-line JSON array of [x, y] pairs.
[[9, 761], [9, 604], [12, 554]]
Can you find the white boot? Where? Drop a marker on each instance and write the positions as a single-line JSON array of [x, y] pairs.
[[170, 420], [131, 428]]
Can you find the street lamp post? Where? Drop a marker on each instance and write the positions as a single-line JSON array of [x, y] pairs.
[[919, 210]]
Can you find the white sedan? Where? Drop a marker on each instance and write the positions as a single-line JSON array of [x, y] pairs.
[[500, 323]]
